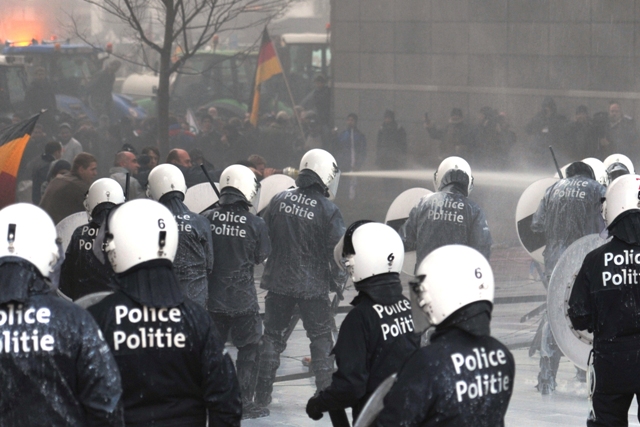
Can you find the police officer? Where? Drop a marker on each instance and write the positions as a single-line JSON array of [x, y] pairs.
[[618, 165], [240, 240], [447, 216], [56, 368], [569, 210], [82, 273], [605, 299], [173, 364], [194, 259], [304, 227], [464, 377], [377, 336]]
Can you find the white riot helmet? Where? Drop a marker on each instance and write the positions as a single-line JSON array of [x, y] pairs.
[[140, 230], [104, 190], [622, 195], [599, 169], [452, 163], [325, 166], [242, 179], [450, 278], [164, 179], [368, 249], [28, 233], [619, 158]]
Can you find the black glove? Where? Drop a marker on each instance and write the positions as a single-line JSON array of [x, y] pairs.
[[313, 408]]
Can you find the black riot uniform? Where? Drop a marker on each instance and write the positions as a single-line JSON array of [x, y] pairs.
[[174, 367], [82, 273], [446, 217], [304, 227], [194, 258], [56, 368], [375, 339], [240, 241], [604, 300], [569, 210], [463, 378]]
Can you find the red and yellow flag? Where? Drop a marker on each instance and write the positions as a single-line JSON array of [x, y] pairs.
[[13, 140], [268, 66]]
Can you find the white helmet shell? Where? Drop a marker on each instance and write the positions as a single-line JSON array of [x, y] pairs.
[[450, 278], [368, 249], [323, 164], [599, 169], [28, 233], [242, 179], [104, 190], [622, 195], [140, 230], [452, 163], [619, 158], [164, 179]]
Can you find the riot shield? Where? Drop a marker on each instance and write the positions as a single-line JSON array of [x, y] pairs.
[[375, 404], [271, 186], [200, 197], [576, 345], [92, 299], [397, 215], [68, 225], [528, 203]]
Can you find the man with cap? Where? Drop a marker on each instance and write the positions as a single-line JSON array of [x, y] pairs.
[[82, 273], [454, 138], [240, 241], [55, 365], [304, 227], [175, 370], [377, 336], [464, 377], [391, 150], [194, 259], [70, 146]]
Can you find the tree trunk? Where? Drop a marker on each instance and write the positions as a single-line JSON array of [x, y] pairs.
[[163, 103]]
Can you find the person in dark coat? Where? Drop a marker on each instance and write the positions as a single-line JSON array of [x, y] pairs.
[[304, 227], [194, 259], [377, 336], [82, 273], [40, 169], [454, 138], [65, 194], [620, 134], [448, 216], [547, 127], [319, 100], [56, 367], [464, 377], [569, 210], [392, 144], [174, 367], [240, 241], [604, 300]]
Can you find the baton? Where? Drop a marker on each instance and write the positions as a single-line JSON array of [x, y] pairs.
[[339, 418], [556, 162], [210, 180], [126, 186]]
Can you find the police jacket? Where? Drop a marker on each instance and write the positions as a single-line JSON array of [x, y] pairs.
[[569, 210], [56, 368], [173, 364], [82, 273], [375, 339], [304, 227], [445, 218], [194, 258], [463, 378], [604, 300], [240, 240]]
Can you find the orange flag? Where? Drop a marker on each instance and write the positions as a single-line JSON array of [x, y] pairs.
[[13, 140], [268, 66]]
